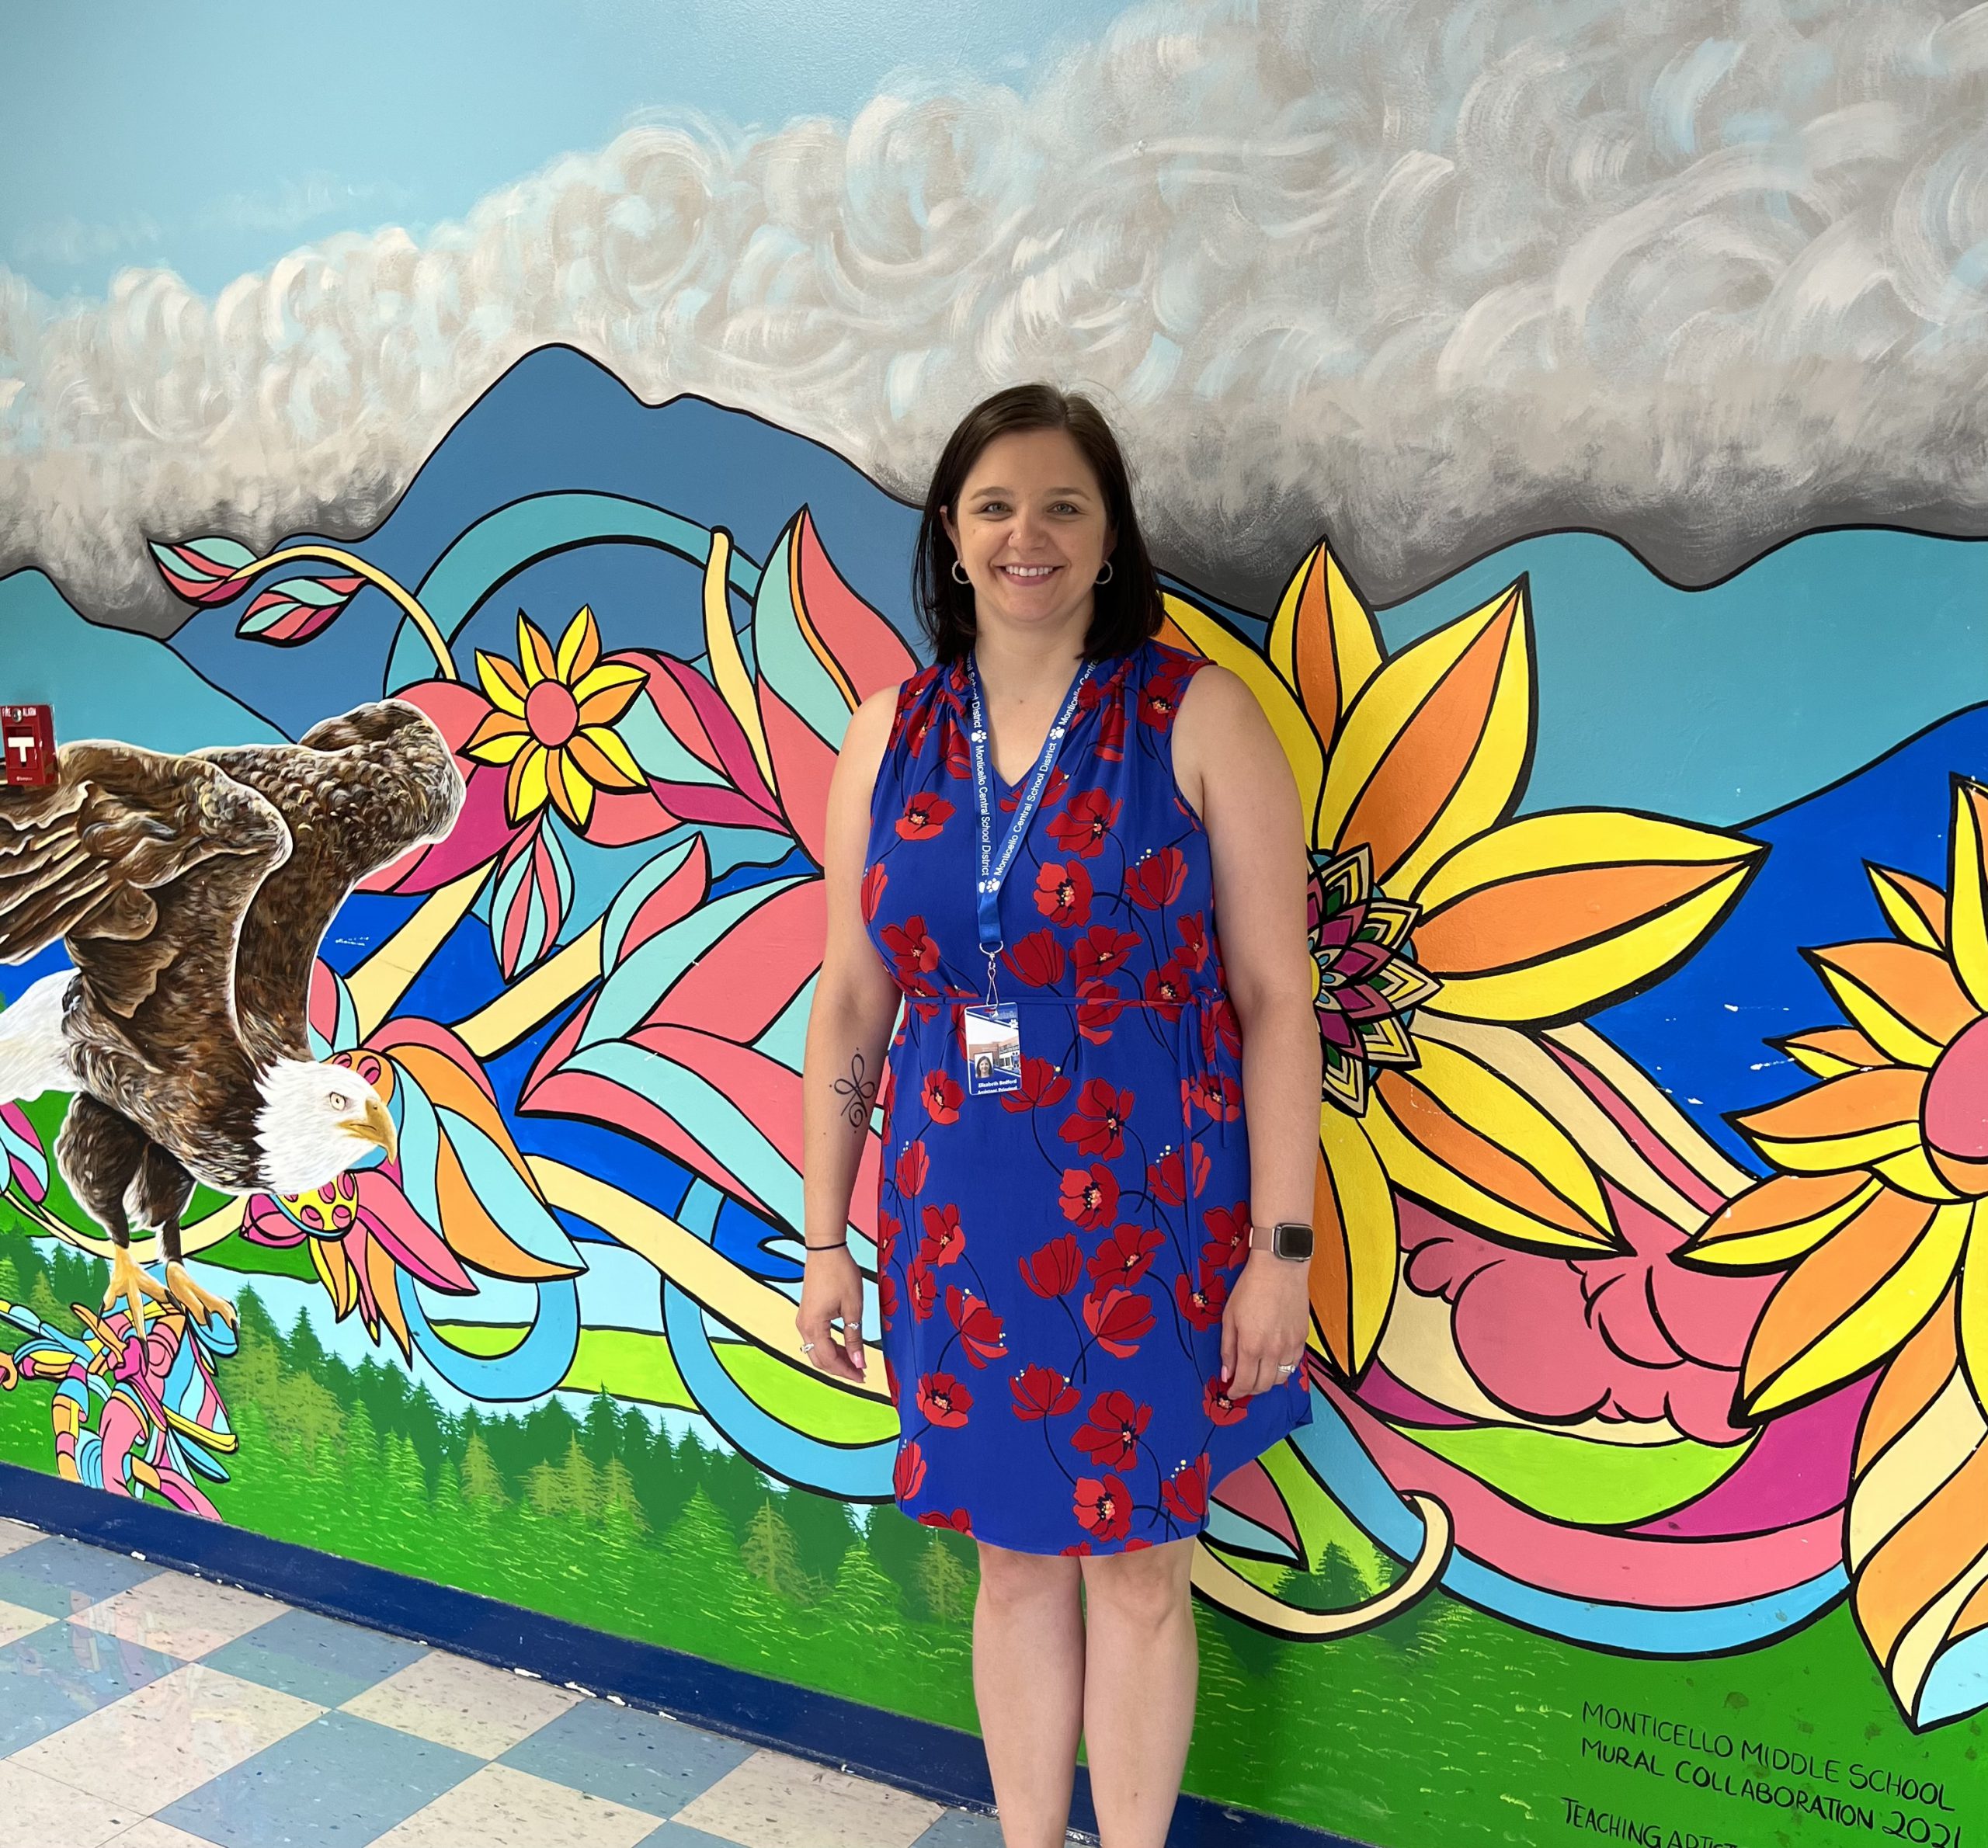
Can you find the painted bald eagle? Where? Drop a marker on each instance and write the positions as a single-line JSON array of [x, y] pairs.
[[191, 893]]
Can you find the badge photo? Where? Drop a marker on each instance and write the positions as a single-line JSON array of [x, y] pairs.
[[993, 1048]]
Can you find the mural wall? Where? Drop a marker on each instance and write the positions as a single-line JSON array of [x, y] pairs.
[[1621, 613]]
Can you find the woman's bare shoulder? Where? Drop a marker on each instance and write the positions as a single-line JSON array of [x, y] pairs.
[[1217, 711], [867, 735], [870, 724], [1218, 692]]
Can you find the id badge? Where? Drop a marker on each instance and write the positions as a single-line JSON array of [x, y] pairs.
[[993, 1048]]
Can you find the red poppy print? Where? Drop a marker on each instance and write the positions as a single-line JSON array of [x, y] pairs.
[[887, 1293], [1167, 990], [923, 1284], [1221, 1031], [914, 951], [1098, 1004], [1228, 1229], [908, 1477], [1166, 1179], [874, 882], [1111, 734], [979, 1327], [1041, 1085], [1085, 822], [1037, 959], [944, 1400], [942, 1096], [889, 1229], [1062, 892], [958, 749], [1120, 1319], [1104, 1507], [1112, 1429], [1154, 879], [1160, 699], [1102, 949], [943, 1239], [959, 1520], [924, 816], [912, 1166], [1089, 1196], [1213, 1095], [1185, 1493], [1097, 1125], [1194, 940], [1201, 1302], [1223, 1406], [1042, 1392], [1053, 1269], [1121, 1260]]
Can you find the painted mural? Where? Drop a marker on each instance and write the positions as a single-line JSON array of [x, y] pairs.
[[1646, 1490]]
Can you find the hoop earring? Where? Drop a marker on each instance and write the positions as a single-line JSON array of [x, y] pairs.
[[959, 576], [1104, 576]]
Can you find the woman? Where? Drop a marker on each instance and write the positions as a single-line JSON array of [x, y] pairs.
[[1091, 1264]]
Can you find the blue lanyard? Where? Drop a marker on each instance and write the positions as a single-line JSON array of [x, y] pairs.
[[994, 867]]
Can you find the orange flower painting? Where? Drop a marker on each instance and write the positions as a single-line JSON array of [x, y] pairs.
[[1447, 927], [1879, 1208]]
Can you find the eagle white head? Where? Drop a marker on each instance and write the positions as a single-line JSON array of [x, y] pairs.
[[316, 1121]]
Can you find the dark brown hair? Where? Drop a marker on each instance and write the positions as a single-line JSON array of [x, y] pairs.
[[1124, 611]]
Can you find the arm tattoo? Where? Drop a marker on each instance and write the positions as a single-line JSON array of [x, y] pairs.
[[861, 1093]]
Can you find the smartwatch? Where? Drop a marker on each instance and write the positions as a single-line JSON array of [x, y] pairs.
[[1288, 1239]]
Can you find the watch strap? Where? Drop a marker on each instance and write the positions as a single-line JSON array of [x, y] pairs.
[[1289, 1238]]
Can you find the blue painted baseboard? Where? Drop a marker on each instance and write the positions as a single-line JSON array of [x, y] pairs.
[[936, 1761]]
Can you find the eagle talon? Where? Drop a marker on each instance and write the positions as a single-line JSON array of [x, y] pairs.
[[131, 1284], [198, 1303]]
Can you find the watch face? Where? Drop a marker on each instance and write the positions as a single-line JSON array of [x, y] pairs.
[[1291, 1240]]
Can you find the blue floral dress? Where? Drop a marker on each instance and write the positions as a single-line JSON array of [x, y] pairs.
[[1053, 1261]]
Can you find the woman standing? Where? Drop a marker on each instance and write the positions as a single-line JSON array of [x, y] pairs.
[[1091, 1262]]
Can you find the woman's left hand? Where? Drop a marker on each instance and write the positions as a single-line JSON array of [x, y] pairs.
[[1264, 1325]]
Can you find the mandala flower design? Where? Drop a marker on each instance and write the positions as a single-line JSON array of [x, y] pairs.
[[1409, 770], [1368, 985]]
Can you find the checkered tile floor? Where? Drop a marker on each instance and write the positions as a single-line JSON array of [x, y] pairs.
[[155, 1711]]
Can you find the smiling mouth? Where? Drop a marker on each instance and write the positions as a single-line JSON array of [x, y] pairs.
[[1029, 573]]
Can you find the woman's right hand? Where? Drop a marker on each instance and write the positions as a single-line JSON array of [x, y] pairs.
[[832, 1285]]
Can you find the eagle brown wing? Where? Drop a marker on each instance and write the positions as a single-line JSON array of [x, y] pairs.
[[356, 792], [144, 864]]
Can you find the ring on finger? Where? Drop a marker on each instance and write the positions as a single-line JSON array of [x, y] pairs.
[[807, 1347]]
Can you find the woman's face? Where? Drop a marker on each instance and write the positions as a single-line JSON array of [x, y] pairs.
[[1031, 530]]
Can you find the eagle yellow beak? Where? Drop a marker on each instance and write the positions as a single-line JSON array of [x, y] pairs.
[[375, 1127]]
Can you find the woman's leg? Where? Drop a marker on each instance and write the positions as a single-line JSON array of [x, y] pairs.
[[1028, 1680], [1142, 1666]]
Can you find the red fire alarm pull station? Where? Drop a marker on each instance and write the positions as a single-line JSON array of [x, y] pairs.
[[27, 744]]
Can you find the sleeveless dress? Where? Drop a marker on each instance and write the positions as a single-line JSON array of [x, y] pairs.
[[1053, 1261]]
